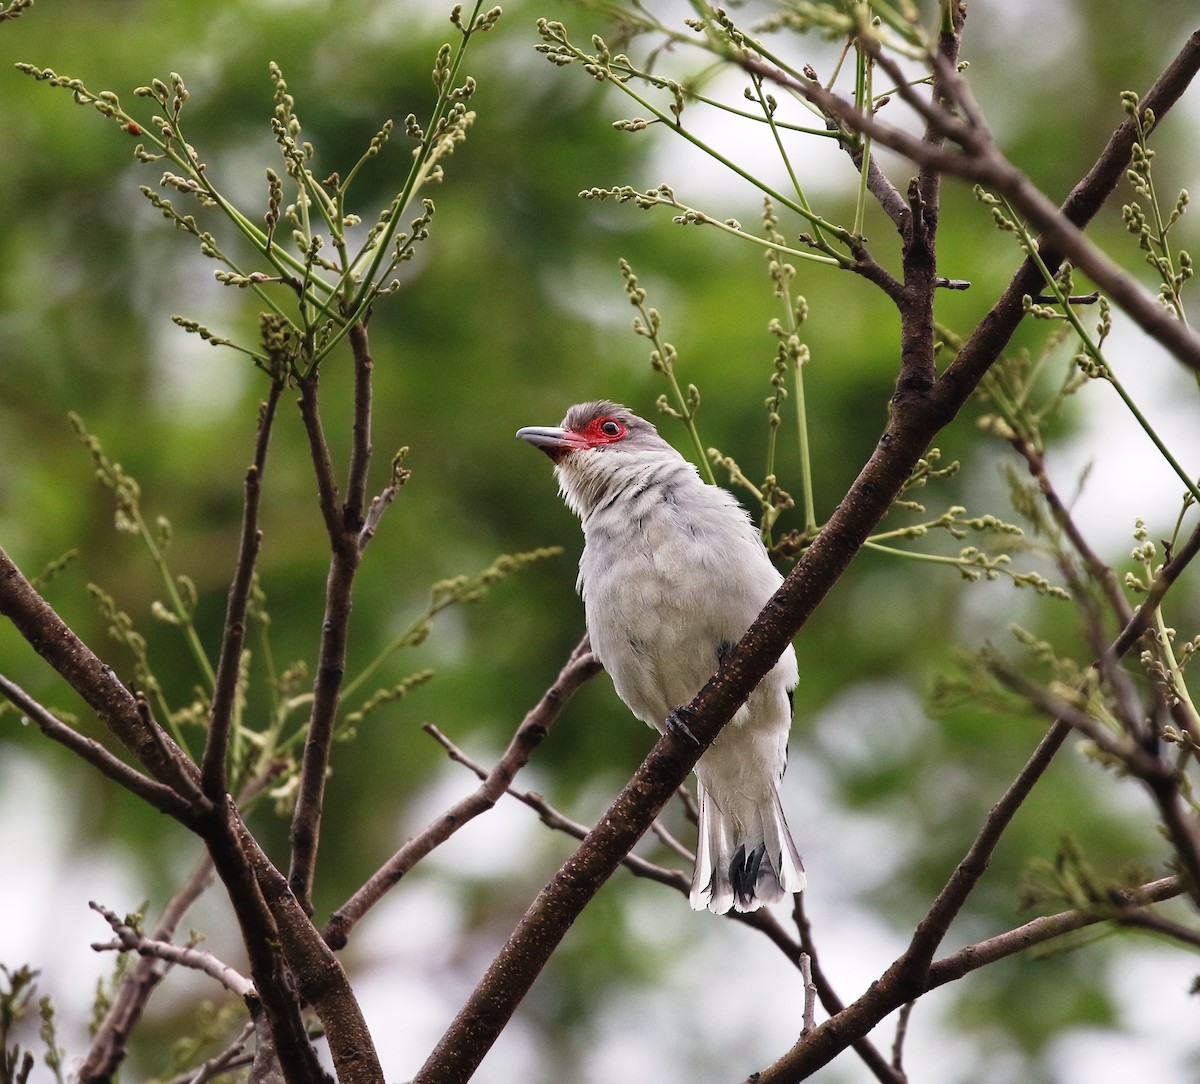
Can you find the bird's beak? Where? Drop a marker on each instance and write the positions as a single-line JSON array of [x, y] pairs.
[[552, 440]]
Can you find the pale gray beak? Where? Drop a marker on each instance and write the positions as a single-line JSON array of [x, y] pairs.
[[553, 440]]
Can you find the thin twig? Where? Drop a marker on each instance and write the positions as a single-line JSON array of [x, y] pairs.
[[556, 820], [331, 663], [579, 667], [220, 716], [660, 830], [830, 1000], [233, 1057], [810, 995], [36, 621], [108, 1046], [1127, 905], [901, 1034], [129, 939], [156, 794]]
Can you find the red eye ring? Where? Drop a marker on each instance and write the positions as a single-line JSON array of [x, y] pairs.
[[605, 430]]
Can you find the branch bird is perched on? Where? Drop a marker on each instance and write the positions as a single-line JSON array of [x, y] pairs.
[[672, 575]]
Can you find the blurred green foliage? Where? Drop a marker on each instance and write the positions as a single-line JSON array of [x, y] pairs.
[[513, 310]]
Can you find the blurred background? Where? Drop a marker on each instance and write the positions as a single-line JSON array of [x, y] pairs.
[[514, 310]]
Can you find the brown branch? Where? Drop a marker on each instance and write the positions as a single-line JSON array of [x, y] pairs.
[[360, 444], [1128, 906], [581, 666], [832, 1003], [331, 663], [315, 970], [116, 707], [1164, 927], [908, 977], [107, 1049], [916, 418], [898, 1043], [129, 939], [327, 490], [346, 538], [220, 716], [262, 938], [155, 794], [982, 162]]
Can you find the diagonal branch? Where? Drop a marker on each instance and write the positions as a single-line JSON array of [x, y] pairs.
[[119, 710], [909, 976], [107, 1049], [981, 161], [580, 666], [915, 420], [216, 745], [129, 939], [1130, 908], [158, 795]]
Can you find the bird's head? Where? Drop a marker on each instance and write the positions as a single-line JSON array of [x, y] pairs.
[[598, 446]]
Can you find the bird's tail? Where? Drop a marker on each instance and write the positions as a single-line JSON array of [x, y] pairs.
[[745, 857]]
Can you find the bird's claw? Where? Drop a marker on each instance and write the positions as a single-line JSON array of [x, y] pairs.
[[677, 727]]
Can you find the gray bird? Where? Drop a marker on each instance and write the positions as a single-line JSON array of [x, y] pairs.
[[673, 573]]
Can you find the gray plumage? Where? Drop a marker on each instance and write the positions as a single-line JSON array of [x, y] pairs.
[[673, 573]]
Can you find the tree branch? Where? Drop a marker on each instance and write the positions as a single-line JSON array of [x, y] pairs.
[[360, 444], [345, 556], [580, 666], [129, 939], [262, 938], [117, 708], [317, 973], [1129, 906], [216, 746], [982, 162], [917, 417], [107, 1050], [155, 794]]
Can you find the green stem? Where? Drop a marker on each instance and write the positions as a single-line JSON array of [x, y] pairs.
[[806, 482], [417, 176], [1097, 356], [177, 603], [1172, 663], [864, 102], [813, 220], [769, 114]]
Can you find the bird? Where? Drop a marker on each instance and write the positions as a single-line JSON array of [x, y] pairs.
[[673, 572]]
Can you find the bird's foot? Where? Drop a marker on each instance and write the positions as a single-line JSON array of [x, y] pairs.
[[677, 724]]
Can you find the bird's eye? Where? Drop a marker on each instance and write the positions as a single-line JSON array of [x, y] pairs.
[[610, 428]]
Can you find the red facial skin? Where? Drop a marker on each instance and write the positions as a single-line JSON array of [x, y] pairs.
[[603, 430], [557, 443]]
